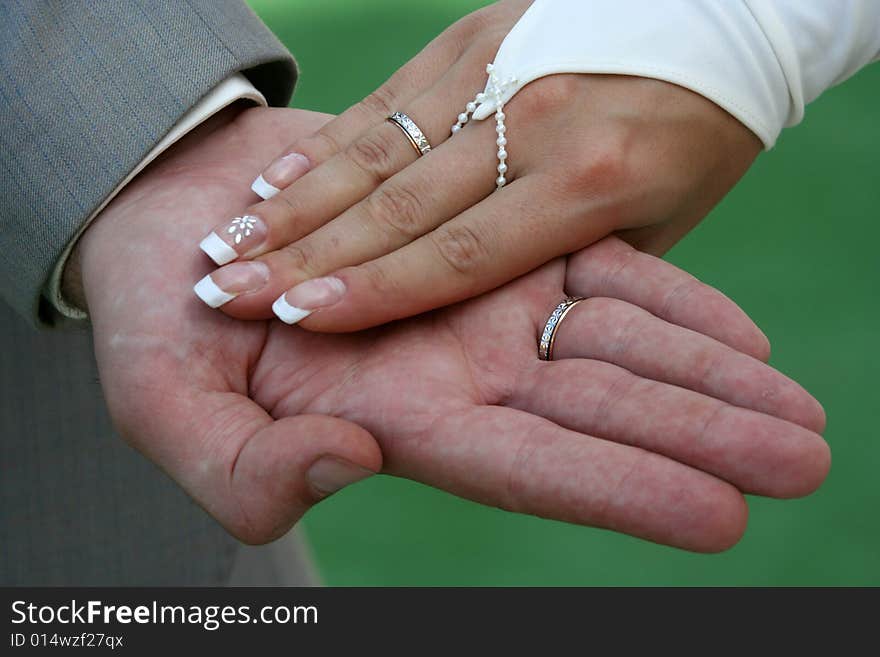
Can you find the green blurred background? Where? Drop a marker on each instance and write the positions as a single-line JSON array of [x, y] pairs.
[[795, 244]]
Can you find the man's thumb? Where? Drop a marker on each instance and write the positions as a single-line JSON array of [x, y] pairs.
[[291, 464]]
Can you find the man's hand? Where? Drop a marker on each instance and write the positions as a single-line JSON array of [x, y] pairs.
[[645, 424]]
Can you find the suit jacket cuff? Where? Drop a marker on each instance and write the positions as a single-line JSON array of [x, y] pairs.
[[77, 118], [232, 89]]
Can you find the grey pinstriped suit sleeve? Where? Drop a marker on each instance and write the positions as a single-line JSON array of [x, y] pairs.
[[87, 88]]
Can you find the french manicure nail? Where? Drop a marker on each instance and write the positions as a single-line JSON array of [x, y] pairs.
[[301, 301], [330, 473], [229, 282], [227, 242], [282, 172]]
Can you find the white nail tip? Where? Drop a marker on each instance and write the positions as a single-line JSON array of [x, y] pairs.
[[287, 313], [263, 189], [208, 291], [218, 250]]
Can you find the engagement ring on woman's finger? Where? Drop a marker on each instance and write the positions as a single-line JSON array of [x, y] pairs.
[[413, 133]]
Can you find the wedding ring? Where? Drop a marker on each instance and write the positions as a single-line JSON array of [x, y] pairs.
[[548, 335], [413, 133]]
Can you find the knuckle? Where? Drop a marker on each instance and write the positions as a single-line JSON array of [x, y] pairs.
[[318, 147], [678, 296], [374, 154], [397, 210], [708, 361], [478, 33], [549, 95], [604, 167], [380, 103], [482, 43], [489, 24], [518, 478], [460, 247], [631, 323], [468, 27], [299, 257], [279, 210], [617, 388], [378, 280]]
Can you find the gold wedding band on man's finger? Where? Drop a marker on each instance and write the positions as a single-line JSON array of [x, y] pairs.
[[548, 335]]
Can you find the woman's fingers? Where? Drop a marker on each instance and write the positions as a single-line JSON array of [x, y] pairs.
[[517, 461], [474, 39], [410, 204], [756, 452], [506, 235], [323, 192], [407, 83], [346, 160]]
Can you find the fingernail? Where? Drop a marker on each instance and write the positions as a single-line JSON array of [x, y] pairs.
[[227, 242], [301, 301], [330, 473], [229, 282], [282, 172]]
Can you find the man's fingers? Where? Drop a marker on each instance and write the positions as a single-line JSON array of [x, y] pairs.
[[506, 235], [520, 462], [756, 452], [617, 332], [612, 268], [257, 476]]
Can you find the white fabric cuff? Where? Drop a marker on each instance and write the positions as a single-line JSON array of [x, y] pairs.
[[761, 60], [233, 88]]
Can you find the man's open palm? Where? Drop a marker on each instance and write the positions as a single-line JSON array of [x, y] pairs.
[[640, 425]]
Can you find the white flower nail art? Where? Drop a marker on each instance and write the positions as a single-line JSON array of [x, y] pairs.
[[242, 227]]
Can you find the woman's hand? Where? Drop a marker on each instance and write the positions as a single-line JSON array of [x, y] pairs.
[[399, 234]]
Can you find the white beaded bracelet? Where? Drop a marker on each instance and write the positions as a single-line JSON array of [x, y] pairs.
[[495, 90]]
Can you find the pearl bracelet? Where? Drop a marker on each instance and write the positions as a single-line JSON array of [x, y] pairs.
[[495, 91]]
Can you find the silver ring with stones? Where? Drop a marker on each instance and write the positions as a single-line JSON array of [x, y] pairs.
[[413, 133], [548, 335]]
